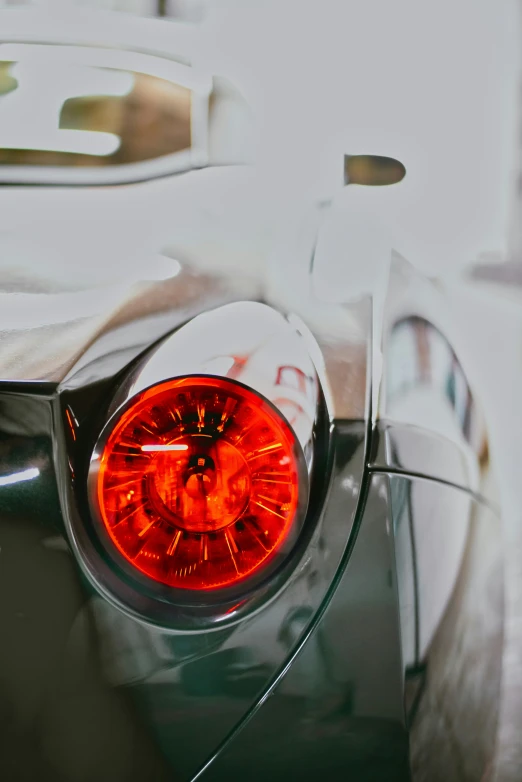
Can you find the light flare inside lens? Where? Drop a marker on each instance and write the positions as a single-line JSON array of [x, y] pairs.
[[198, 483]]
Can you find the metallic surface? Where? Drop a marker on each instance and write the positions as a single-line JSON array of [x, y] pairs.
[[247, 342], [362, 650], [174, 670], [244, 341], [189, 690], [338, 709], [418, 451], [426, 387], [80, 325], [451, 597], [368, 651], [390, 674], [199, 687], [57, 709], [375, 651], [91, 333], [146, 313]]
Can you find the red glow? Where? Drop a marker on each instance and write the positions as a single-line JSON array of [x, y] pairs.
[[70, 422], [198, 483]]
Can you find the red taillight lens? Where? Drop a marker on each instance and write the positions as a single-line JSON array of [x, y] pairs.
[[198, 483]]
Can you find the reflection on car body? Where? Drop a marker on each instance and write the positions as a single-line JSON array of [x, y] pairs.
[[344, 624]]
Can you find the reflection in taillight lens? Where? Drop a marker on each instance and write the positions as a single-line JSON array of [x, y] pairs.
[[198, 483]]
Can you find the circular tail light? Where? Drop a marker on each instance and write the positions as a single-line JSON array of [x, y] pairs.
[[199, 484]]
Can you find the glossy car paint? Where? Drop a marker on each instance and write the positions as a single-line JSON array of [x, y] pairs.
[[360, 658], [340, 710], [332, 649], [173, 676], [254, 644], [340, 701]]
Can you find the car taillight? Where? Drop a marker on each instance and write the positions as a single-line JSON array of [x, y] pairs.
[[199, 483]]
